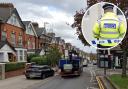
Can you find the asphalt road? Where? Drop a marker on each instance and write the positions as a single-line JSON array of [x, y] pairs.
[[85, 81]]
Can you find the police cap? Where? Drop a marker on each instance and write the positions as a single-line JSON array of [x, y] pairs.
[[106, 6]]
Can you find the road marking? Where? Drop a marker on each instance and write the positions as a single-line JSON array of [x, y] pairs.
[[91, 76], [99, 83], [92, 88]]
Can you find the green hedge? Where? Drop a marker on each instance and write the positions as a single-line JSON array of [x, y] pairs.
[[30, 56], [39, 60], [12, 66]]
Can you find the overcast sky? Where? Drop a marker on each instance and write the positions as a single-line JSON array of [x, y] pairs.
[[56, 12]]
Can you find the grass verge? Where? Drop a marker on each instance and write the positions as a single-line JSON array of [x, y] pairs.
[[122, 83]]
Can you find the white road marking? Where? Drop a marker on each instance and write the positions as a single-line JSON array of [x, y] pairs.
[[92, 88]]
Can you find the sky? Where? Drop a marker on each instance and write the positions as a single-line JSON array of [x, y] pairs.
[[57, 13]]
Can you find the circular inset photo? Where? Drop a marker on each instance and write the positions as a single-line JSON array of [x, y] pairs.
[[104, 25]]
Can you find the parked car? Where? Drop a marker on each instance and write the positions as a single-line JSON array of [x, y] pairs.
[[94, 62], [37, 71]]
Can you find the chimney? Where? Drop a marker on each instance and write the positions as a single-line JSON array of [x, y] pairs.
[[6, 5], [36, 26]]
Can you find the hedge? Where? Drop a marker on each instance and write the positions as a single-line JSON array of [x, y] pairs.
[[30, 56], [12, 66], [39, 60]]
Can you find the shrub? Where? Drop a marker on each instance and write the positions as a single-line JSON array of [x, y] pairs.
[[12, 66], [41, 60], [31, 56]]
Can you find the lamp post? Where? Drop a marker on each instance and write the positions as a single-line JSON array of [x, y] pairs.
[[45, 24]]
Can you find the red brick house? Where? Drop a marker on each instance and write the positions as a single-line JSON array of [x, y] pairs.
[[12, 30], [30, 37], [44, 39]]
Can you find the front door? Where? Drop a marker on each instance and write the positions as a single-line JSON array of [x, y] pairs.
[[11, 57]]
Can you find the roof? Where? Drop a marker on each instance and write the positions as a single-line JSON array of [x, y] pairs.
[[26, 23], [37, 51], [40, 31], [58, 39], [2, 43], [6, 12]]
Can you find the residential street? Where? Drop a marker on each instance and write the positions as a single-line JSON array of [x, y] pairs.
[[85, 81]]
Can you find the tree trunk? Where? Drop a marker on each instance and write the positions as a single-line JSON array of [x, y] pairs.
[[124, 74]]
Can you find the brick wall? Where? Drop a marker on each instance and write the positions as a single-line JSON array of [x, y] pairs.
[[32, 40], [14, 73], [9, 29]]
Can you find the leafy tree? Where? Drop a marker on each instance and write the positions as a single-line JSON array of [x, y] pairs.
[[123, 4], [53, 56]]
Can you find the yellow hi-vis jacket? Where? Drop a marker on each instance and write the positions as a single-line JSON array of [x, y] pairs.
[[109, 27]]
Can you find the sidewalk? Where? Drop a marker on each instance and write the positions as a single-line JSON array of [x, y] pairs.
[[100, 71], [20, 82], [106, 83]]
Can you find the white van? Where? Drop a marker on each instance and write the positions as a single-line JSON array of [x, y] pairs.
[[85, 63]]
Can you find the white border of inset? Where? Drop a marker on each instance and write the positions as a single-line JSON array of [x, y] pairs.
[[85, 17]]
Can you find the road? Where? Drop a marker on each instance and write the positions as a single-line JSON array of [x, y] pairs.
[[85, 81]]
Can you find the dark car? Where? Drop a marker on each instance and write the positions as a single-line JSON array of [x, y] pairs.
[[37, 71]]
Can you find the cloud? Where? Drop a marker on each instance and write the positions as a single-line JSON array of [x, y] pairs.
[[64, 5], [57, 13]]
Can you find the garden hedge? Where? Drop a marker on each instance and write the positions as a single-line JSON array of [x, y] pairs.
[[39, 60], [12, 66]]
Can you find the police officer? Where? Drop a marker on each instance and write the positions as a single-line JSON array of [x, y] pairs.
[[108, 27]]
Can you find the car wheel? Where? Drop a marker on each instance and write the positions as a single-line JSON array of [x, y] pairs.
[[52, 74], [43, 76], [27, 77]]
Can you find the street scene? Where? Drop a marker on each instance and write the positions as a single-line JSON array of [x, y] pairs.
[[63, 44], [85, 81]]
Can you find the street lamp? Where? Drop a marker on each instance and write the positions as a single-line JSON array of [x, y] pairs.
[[45, 24]]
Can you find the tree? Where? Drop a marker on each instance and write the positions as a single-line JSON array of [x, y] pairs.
[[53, 56], [123, 4], [77, 24]]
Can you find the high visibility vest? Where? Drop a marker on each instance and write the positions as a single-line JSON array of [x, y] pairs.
[[109, 27]]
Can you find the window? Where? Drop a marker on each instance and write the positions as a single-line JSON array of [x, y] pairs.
[[25, 55], [13, 38], [30, 31], [3, 36], [33, 45], [21, 55], [20, 40], [29, 43], [14, 20]]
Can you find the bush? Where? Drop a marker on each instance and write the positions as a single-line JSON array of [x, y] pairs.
[[31, 56], [41, 60], [12, 66]]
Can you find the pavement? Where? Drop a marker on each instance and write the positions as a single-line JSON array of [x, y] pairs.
[[20, 82], [109, 72]]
